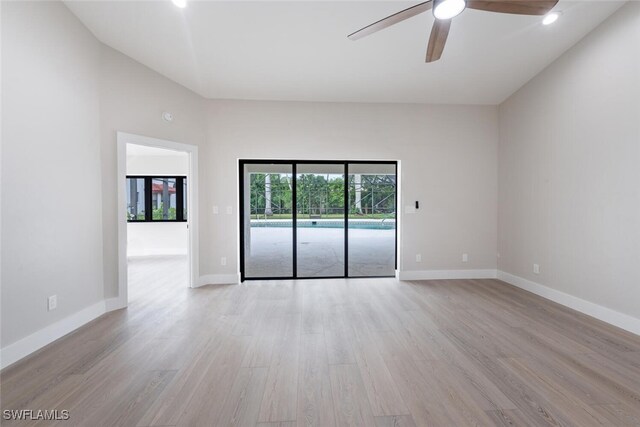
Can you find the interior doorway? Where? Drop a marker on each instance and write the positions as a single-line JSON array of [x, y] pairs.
[[317, 219], [157, 217], [157, 226]]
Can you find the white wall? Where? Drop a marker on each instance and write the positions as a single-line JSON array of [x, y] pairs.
[[160, 238], [450, 167], [569, 174], [448, 158], [132, 99], [51, 183], [64, 97], [156, 238], [157, 165]]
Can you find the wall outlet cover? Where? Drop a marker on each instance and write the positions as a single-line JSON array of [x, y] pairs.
[[52, 302]]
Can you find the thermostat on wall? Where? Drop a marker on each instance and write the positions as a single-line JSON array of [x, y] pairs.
[[167, 117]]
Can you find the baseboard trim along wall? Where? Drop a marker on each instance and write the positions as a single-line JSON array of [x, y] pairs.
[[150, 253], [615, 318], [34, 342], [218, 279], [447, 274]]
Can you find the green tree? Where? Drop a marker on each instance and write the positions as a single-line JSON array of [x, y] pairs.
[[280, 194], [322, 194]]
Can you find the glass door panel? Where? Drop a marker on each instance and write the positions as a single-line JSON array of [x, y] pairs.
[[267, 220], [372, 219], [320, 220]]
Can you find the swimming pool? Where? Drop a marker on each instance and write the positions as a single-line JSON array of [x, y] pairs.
[[375, 224]]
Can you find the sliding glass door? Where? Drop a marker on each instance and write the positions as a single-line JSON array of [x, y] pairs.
[[317, 219], [372, 220], [266, 215], [320, 220]]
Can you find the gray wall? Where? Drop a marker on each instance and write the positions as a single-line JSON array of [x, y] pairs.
[[51, 198], [569, 170], [448, 158], [132, 99]]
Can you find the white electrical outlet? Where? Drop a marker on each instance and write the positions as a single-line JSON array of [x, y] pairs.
[[418, 258], [229, 210], [216, 211], [52, 302], [536, 269], [465, 257], [223, 260]]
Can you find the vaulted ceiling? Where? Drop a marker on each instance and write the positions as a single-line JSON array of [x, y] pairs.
[[298, 50]]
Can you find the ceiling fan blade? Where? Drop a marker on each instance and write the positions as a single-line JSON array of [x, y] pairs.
[[438, 38], [518, 7], [391, 20]]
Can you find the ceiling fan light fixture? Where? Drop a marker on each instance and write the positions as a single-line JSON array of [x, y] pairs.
[[447, 9], [180, 3], [550, 18]]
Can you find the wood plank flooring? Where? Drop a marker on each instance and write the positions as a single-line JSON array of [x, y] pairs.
[[358, 352]]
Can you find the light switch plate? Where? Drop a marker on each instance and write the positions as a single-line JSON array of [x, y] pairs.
[[216, 211]]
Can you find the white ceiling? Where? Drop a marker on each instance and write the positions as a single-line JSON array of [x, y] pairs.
[[298, 50]]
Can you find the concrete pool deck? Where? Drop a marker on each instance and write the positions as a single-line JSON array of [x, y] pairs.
[[320, 252]]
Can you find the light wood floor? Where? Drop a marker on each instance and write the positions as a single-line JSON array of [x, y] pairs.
[[361, 352]]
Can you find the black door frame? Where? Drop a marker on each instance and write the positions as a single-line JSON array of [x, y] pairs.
[[294, 213]]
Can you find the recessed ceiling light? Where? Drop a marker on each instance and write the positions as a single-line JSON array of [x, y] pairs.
[[180, 3], [447, 9], [550, 18]]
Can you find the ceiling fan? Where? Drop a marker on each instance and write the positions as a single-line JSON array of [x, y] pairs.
[[445, 10]]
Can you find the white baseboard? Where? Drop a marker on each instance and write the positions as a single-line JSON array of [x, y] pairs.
[[114, 304], [217, 279], [446, 274], [132, 253], [24, 347], [31, 343], [615, 318]]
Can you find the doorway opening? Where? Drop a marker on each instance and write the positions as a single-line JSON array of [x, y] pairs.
[[156, 212], [317, 219]]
